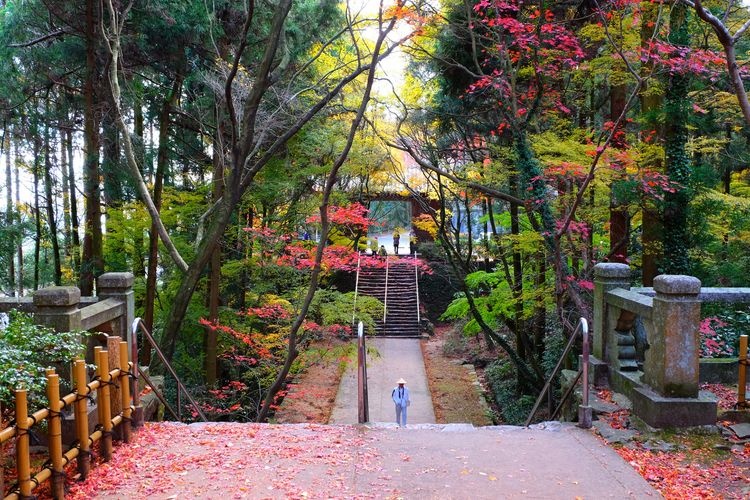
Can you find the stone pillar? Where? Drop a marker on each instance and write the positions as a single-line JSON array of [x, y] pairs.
[[607, 276], [672, 361], [119, 286], [57, 307]]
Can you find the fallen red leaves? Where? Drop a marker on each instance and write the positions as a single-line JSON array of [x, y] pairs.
[[694, 473], [680, 475], [249, 460], [727, 396]]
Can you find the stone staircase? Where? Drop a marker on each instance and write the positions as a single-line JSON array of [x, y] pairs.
[[401, 300]]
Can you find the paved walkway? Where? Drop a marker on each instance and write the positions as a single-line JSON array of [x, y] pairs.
[[225, 460], [388, 360], [380, 460]]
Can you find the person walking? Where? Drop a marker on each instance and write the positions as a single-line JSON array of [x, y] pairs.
[[400, 396], [396, 239], [382, 252]]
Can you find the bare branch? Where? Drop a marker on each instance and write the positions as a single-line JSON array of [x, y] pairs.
[[43, 38], [113, 44]]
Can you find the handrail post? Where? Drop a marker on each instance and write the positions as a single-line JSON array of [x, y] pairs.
[[138, 413], [363, 413], [385, 297], [356, 289], [416, 284], [585, 412]]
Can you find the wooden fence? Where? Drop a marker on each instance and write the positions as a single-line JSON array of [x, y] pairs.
[[64, 309], [112, 389]]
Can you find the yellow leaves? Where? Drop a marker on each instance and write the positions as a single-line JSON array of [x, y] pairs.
[[425, 223], [592, 33], [707, 145]]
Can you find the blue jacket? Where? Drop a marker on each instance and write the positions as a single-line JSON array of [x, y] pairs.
[[401, 399]]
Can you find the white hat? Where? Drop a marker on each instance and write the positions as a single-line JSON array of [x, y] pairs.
[[401, 381]]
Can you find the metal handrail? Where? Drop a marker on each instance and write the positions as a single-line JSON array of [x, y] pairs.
[[416, 284], [385, 296], [356, 289], [139, 324], [583, 327], [363, 407]]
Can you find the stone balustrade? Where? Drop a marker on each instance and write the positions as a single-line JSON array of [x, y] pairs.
[[63, 309], [662, 377]]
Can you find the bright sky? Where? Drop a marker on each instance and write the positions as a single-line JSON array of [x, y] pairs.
[[394, 66]]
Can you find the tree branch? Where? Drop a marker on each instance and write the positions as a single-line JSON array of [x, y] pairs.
[[43, 38]]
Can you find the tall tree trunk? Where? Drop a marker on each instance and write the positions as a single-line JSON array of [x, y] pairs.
[[9, 209], [650, 104], [91, 261], [726, 175], [19, 245], [139, 265], [677, 112], [37, 217], [70, 177], [162, 161], [619, 219], [112, 192], [67, 231], [517, 285], [50, 205], [215, 272]]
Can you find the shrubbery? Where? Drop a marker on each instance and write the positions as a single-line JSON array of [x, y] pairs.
[[26, 349], [720, 335]]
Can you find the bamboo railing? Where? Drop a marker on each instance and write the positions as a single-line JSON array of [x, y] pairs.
[[112, 388]]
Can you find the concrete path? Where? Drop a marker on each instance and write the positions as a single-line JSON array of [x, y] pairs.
[[265, 461], [380, 460], [393, 358]]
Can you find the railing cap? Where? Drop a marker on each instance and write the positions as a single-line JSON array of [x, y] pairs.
[[115, 281], [57, 296], [677, 284], [609, 270]]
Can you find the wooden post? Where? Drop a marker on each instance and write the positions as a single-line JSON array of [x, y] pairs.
[[125, 391], [742, 387], [113, 347], [102, 368], [98, 374], [55, 434], [82, 418], [23, 464]]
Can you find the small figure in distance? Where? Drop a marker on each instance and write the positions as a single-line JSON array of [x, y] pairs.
[[400, 396], [382, 252], [396, 239]]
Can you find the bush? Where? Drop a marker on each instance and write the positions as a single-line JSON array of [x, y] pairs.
[[26, 349], [501, 377], [331, 307], [720, 335]]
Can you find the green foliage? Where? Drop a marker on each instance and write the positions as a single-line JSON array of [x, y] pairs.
[[330, 307], [26, 349], [554, 343], [502, 380]]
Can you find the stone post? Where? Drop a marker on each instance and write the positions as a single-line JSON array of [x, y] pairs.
[[57, 307], [119, 286], [672, 360], [607, 276]]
